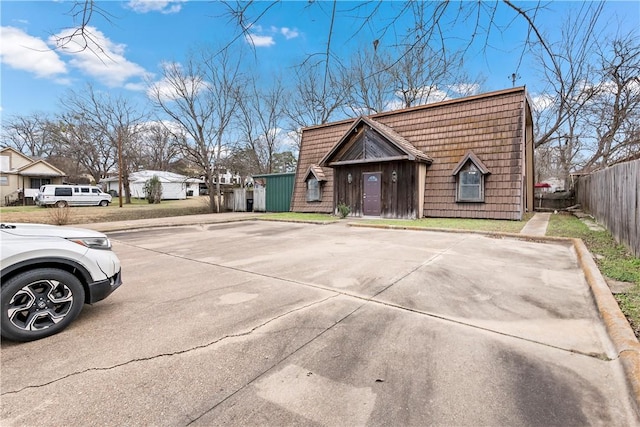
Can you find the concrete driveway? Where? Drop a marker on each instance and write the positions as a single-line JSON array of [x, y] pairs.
[[264, 323]]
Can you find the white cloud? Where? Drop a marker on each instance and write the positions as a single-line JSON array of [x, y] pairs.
[[165, 7], [542, 102], [289, 33], [465, 89], [98, 57], [291, 142], [259, 41], [428, 95], [21, 51], [162, 89], [260, 37], [166, 91], [136, 87]]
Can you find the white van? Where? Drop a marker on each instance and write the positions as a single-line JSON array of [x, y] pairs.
[[72, 195]]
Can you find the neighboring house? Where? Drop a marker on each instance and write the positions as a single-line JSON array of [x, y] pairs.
[[21, 177], [465, 158], [550, 185], [174, 186]]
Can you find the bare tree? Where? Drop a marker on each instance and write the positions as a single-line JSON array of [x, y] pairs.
[[79, 37], [367, 81], [85, 149], [313, 101], [30, 135], [201, 97], [613, 114], [567, 70], [160, 147], [103, 130], [589, 116], [241, 161], [261, 114], [423, 65]]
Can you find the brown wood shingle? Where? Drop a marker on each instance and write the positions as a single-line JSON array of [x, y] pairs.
[[491, 126]]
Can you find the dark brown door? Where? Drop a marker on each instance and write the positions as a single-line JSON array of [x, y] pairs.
[[371, 193]]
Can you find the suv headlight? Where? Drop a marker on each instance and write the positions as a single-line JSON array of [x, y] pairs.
[[93, 242]]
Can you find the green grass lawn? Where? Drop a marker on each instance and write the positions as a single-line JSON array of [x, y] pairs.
[[614, 261], [487, 225], [299, 217]]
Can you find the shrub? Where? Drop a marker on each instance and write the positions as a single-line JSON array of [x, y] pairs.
[[343, 210], [153, 190], [60, 215]]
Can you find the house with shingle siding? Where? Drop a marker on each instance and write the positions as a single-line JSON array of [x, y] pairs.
[[470, 157]]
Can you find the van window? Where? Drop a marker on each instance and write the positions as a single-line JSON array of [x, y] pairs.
[[84, 189], [95, 191], [76, 190], [63, 191]]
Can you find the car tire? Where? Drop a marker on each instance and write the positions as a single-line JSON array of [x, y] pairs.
[[103, 203], [39, 303], [61, 204]]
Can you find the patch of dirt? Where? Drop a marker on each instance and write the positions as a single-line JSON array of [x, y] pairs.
[[93, 214]]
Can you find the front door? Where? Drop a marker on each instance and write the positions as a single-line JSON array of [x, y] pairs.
[[371, 194]]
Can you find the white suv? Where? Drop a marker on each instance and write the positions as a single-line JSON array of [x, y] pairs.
[[48, 274]]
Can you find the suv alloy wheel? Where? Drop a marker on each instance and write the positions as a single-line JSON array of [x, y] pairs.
[[39, 303]]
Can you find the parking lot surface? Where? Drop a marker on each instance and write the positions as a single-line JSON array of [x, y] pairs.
[[265, 323]]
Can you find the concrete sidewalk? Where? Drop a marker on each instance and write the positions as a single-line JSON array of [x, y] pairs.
[[537, 226], [136, 224]]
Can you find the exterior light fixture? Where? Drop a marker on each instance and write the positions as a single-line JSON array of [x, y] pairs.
[[394, 176], [349, 178]]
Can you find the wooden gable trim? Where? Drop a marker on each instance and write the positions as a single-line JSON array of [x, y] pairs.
[[54, 170], [362, 161], [11, 150], [317, 173], [470, 156], [402, 148], [15, 157]]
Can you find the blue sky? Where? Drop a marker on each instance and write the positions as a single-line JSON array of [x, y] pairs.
[[140, 35]]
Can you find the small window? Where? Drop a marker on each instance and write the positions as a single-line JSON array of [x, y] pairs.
[[4, 180], [39, 182], [84, 189], [76, 190], [63, 191], [313, 190], [470, 184], [5, 164]]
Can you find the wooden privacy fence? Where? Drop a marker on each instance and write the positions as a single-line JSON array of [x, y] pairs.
[[611, 196], [243, 200]]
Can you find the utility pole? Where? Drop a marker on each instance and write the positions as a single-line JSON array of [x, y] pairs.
[[120, 167]]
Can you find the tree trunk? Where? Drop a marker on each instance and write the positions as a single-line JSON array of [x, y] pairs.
[[212, 200]]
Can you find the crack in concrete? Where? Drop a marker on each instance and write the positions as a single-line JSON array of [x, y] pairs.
[[373, 299], [335, 293], [175, 353], [277, 363]]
